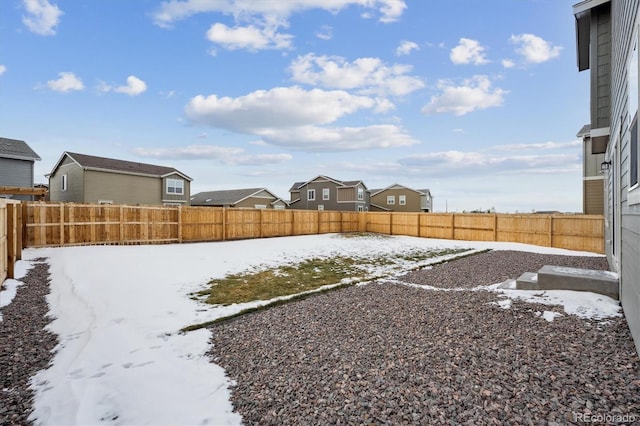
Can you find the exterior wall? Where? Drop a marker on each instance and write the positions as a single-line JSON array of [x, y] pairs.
[[16, 173], [340, 198], [122, 189], [184, 199], [75, 183], [258, 200], [600, 75], [413, 200], [622, 212]]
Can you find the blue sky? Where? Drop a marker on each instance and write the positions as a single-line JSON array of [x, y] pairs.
[[478, 101]]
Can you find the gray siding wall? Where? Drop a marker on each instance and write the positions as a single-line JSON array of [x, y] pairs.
[[624, 19], [16, 173], [414, 200], [122, 189], [75, 183], [601, 74]]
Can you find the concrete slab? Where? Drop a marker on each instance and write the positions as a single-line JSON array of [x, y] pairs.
[[527, 281], [564, 278]]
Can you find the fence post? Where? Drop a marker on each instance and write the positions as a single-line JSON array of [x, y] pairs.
[[19, 230], [25, 213], [180, 224], [62, 224], [121, 224], [12, 232], [550, 231], [224, 224], [453, 226], [495, 227]]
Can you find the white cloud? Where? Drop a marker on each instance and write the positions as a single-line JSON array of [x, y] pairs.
[[406, 47], [325, 33], [249, 37], [534, 49], [294, 117], [468, 52], [366, 75], [540, 146], [66, 83], [225, 155], [174, 10], [3, 69], [42, 17], [474, 94], [508, 63], [134, 87]]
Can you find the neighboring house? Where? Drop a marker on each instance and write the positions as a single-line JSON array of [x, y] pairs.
[[325, 193], [592, 175], [250, 198], [81, 178], [400, 198], [607, 44], [16, 169]]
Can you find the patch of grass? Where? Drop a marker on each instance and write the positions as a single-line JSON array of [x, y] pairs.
[[307, 275]]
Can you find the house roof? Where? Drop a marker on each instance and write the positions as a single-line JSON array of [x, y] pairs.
[[92, 162], [421, 191], [17, 149], [584, 131], [297, 185], [227, 197]]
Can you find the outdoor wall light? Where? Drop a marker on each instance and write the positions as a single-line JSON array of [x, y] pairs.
[[606, 165]]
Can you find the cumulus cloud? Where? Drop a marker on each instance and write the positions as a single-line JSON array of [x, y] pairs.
[[42, 17], [468, 52], [250, 37], [3, 69], [296, 118], [134, 87], [508, 63], [174, 10], [66, 83], [473, 94], [534, 49], [223, 154], [365, 75], [406, 47], [325, 33]]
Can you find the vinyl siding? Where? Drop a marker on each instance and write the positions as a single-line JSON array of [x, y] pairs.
[[601, 74], [75, 183], [122, 189], [185, 197], [593, 201], [624, 18], [413, 200], [16, 173], [251, 202]]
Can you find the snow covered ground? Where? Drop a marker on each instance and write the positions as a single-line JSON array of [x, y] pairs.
[[118, 310]]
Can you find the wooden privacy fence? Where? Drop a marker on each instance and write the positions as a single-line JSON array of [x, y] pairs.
[[10, 237], [47, 224]]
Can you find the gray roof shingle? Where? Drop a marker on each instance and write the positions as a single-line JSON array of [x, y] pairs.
[[17, 149], [225, 197], [93, 162]]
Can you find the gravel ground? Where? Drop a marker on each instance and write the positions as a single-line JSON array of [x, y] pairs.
[[393, 354], [25, 347]]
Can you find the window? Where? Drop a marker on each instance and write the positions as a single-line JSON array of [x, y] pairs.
[[65, 182], [175, 186], [391, 199], [325, 193], [259, 206], [360, 208], [360, 194], [321, 207], [105, 201], [402, 200], [311, 194]]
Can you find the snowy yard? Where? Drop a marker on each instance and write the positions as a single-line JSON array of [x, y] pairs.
[[118, 310]]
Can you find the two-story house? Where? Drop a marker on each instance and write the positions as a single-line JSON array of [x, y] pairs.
[[325, 193], [608, 44], [16, 169], [400, 198], [248, 198], [81, 178]]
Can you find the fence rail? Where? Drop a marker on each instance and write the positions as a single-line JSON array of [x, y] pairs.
[[52, 224]]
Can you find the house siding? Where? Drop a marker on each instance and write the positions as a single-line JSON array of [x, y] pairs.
[[252, 202], [593, 201], [601, 75], [413, 200], [121, 189], [177, 198], [622, 232], [18, 173], [75, 183]]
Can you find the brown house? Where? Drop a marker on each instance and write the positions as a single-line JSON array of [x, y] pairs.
[[250, 198], [325, 193], [81, 178], [400, 198]]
